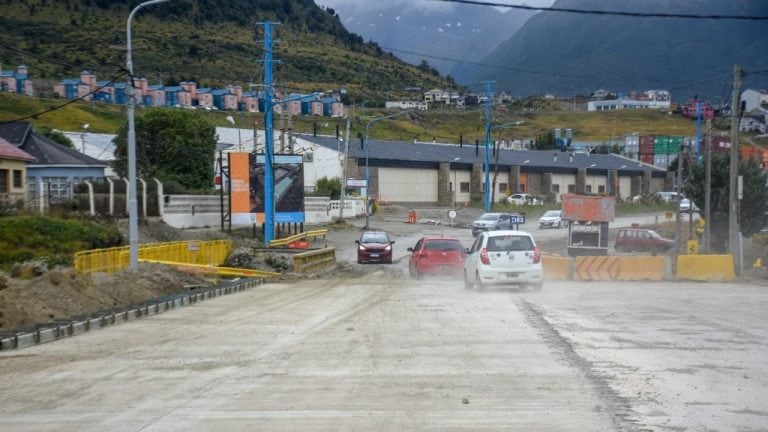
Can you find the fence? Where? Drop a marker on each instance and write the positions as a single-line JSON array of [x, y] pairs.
[[110, 260]]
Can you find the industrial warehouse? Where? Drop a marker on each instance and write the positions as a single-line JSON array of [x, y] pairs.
[[447, 174]]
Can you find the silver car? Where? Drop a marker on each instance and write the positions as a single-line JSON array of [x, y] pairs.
[[504, 258], [551, 219]]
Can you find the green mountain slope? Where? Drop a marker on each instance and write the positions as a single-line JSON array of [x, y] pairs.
[[213, 43]]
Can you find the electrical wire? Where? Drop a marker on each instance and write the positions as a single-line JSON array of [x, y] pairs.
[[604, 12], [96, 90]]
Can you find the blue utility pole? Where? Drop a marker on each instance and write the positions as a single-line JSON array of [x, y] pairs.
[[269, 145], [489, 96]]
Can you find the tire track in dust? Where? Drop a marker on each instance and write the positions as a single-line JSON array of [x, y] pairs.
[[618, 407]]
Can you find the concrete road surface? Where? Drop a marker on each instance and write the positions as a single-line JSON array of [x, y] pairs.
[[386, 353]]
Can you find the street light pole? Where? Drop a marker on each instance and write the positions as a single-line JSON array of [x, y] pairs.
[[367, 152], [453, 189], [487, 190], [133, 223]]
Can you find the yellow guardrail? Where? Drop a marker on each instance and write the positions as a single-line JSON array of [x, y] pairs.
[[209, 269], [284, 242], [313, 260], [212, 252]]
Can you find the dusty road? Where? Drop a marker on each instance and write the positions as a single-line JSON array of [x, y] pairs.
[[382, 352]]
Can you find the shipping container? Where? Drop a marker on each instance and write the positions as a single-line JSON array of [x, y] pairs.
[[645, 158], [675, 142], [661, 160]]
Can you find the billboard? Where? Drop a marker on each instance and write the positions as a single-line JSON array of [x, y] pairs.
[[247, 172]]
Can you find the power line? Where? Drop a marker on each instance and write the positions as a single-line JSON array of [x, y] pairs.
[[97, 89], [615, 13]]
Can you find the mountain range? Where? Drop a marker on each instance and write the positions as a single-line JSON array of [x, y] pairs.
[[570, 54]]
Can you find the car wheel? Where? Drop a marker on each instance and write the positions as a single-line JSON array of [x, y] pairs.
[[467, 282], [359, 261], [389, 261], [478, 282]]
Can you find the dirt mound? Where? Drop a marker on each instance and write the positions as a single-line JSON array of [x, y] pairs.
[[61, 294]]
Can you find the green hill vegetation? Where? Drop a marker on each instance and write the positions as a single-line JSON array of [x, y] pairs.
[[51, 239], [212, 43], [444, 126]]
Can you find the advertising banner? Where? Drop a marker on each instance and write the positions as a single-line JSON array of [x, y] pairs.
[[288, 177]]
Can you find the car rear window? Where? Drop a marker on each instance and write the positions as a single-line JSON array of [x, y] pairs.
[[509, 243], [442, 245]]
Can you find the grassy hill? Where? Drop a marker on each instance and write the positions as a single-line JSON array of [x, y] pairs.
[[443, 126]]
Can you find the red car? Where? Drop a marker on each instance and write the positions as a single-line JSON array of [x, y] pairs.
[[436, 255], [374, 246]]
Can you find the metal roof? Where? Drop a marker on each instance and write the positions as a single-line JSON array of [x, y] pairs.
[[399, 153], [45, 151]]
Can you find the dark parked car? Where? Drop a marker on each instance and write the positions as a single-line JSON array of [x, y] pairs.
[[436, 255], [644, 240], [374, 246]]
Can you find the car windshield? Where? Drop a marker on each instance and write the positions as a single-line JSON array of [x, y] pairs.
[[654, 234], [374, 238], [443, 245], [509, 243], [489, 216], [552, 213]]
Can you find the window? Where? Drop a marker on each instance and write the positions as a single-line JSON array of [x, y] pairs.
[[464, 187], [3, 181], [502, 187], [589, 189], [571, 188], [17, 179], [556, 188], [601, 189]]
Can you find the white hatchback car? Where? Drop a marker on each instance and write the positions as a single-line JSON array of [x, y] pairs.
[[504, 258]]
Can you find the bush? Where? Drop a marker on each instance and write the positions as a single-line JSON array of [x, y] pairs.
[[54, 240]]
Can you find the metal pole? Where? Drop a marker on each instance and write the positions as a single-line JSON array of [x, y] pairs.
[[133, 224], [733, 222], [707, 188], [344, 172], [678, 219], [487, 195], [269, 186]]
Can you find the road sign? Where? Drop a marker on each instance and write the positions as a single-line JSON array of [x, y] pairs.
[[517, 218]]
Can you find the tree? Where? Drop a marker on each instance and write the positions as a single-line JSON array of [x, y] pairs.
[[55, 136], [753, 207], [328, 187], [172, 145]]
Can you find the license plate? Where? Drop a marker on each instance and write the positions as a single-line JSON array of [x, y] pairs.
[[512, 275], [374, 255]]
